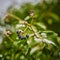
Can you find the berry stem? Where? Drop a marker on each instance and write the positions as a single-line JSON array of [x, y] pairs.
[[25, 29], [9, 37]]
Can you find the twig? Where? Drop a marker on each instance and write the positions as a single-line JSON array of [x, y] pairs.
[[23, 22], [9, 37], [14, 16]]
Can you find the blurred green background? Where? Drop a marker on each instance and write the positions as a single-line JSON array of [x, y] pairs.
[[46, 23]]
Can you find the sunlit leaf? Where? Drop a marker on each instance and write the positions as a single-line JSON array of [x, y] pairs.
[[41, 25], [27, 18]]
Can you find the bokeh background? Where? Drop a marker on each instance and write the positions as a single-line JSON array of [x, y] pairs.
[[46, 23]]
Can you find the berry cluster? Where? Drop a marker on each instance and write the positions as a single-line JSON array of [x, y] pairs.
[[21, 37]]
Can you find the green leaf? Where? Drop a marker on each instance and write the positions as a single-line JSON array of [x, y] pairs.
[[49, 42], [27, 18], [54, 16], [41, 25]]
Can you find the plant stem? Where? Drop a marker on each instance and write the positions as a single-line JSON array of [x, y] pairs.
[[25, 29], [9, 38], [14, 16], [12, 58]]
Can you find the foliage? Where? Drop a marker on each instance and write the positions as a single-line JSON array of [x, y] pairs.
[[30, 33]]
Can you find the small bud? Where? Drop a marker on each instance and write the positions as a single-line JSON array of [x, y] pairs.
[[8, 32], [32, 13]]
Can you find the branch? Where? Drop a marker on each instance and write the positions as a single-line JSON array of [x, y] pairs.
[[23, 22]]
